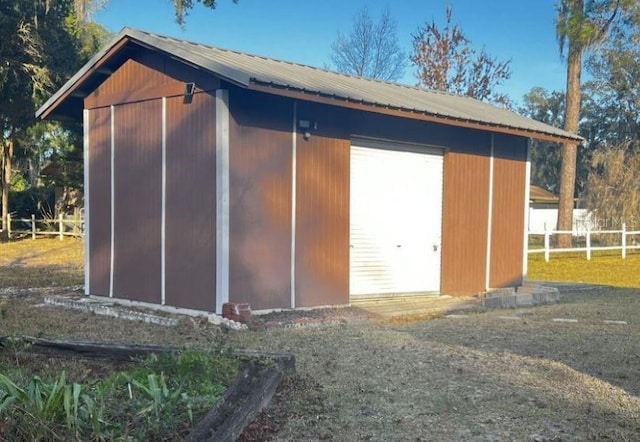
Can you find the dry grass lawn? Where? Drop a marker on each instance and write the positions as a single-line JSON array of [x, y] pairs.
[[607, 268], [43, 262], [498, 375]]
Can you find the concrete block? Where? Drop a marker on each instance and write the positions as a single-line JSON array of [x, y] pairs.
[[524, 299], [499, 301]]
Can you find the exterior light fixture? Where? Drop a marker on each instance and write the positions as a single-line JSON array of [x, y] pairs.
[[189, 89], [306, 127]]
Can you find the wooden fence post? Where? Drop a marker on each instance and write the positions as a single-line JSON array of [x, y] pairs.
[[60, 226], [33, 226], [624, 241], [546, 245], [588, 244]]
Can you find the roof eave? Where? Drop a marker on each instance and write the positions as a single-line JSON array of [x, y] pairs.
[[74, 83], [318, 96], [125, 37]]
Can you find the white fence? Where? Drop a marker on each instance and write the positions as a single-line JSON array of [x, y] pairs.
[[541, 219], [623, 244], [65, 227]]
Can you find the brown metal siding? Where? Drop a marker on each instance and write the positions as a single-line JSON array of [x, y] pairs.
[[148, 76], [465, 212], [191, 203], [509, 175], [260, 200], [322, 221], [323, 204], [465, 194], [137, 201], [100, 197]]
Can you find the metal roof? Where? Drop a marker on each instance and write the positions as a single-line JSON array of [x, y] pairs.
[[538, 194], [248, 70]]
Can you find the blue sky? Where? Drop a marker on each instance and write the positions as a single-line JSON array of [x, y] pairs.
[[302, 31]]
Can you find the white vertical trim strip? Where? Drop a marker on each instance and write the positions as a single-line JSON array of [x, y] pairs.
[[222, 205], [294, 187], [487, 282], [113, 187], [163, 219], [527, 197], [87, 251]]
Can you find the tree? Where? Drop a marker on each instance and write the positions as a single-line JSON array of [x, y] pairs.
[[581, 26], [446, 61], [182, 8], [613, 195], [24, 78], [547, 107], [371, 49], [614, 111], [43, 45], [613, 119]]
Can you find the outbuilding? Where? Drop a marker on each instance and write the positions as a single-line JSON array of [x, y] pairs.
[[214, 176]]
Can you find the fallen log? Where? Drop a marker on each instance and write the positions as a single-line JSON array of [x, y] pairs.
[[244, 399], [93, 350]]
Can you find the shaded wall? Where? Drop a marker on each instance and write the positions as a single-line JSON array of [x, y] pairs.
[[322, 208], [507, 238], [260, 159], [100, 197], [135, 91], [137, 200], [191, 202]]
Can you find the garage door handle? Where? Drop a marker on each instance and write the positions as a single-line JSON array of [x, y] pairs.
[[399, 245]]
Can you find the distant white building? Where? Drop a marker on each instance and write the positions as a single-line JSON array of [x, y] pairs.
[[543, 212]]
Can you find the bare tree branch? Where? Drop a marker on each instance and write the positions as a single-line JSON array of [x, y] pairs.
[[371, 49]]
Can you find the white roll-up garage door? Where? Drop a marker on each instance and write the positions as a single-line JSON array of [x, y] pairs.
[[396, 219]]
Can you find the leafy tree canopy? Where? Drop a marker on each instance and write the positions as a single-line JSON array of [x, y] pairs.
[[446, 61]]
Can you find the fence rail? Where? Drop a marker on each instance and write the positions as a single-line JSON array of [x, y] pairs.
[[65, 227], [624, 244]]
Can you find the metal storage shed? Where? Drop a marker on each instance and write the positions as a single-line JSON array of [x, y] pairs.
[[214, 176]]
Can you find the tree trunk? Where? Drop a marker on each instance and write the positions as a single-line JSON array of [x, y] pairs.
[[7, 155], [570, 151]]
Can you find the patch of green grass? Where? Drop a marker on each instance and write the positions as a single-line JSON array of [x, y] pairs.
[[43, 262], [605, 267], [160, 398]]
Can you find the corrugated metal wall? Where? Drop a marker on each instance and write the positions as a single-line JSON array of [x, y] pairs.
[[322, 221], [465, 213], [260, 199], [509, 172], [191, 202], [136, 90], [137, 201], [100, 196]]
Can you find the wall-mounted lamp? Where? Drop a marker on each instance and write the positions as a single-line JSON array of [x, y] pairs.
[[306, 127], [189, 89]]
